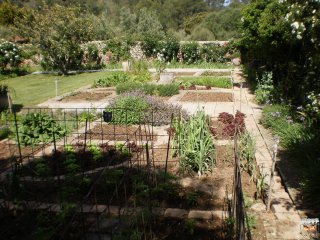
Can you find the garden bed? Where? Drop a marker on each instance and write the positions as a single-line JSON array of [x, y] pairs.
[[113, 132], [86, 96], [207, 97]]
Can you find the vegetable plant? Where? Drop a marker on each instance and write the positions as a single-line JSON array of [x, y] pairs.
[[196, 149], [38, 128]]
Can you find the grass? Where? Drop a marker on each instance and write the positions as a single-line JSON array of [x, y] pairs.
[[221, 82], [30, 90]]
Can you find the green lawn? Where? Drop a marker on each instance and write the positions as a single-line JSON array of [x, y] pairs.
[[30, 90]]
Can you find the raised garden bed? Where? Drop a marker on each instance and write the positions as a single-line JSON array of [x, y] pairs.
[[207, 97], [113, 132], [86, 96]]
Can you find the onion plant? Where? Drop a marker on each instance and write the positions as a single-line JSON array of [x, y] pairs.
[[195, 143]]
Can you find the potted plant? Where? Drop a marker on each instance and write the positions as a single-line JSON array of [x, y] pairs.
[[4, 98]]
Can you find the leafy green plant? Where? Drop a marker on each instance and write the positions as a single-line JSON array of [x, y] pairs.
[[196, 149], [247, 150], [220, 82], [4, 132], [265, 88], [192, 198], [189, 226], [96, 152], [38, 128], [262, 185], [167, 90], [41, 168], [113, 79], [128, 109], [150, 89], [251, 221]]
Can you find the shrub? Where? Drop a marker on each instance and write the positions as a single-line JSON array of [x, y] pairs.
[[128, 109], [38, 128], [149, 109], [92, 59], [190, 52], [167, 90], [10, 55], [119, 48], [169, 48], [214, 53], [128, 86]]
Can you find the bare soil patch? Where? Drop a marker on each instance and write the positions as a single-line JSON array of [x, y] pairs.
[[207, 97], [86, 96], [113, 132]]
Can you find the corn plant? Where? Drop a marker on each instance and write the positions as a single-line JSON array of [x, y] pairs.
[[195, 143]]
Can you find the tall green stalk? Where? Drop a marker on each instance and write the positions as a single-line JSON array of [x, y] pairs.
[[195, 142]]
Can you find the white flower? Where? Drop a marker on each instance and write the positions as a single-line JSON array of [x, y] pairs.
[[295, 25]]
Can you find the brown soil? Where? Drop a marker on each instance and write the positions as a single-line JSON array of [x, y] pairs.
[[86, 96], [120, 133], [217, 129], [207, 97], [10, 151]]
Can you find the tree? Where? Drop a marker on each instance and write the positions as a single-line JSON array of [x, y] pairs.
[[59, 31], [8, 12]]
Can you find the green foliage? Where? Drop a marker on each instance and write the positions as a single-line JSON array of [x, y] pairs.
[[150, 89], [167, 90], [4, 132], [96, 152], [219, 82], [281, 37], [119, 48], [59, 42], [41, 168], [8, 13], [92, 59], [224, 24], [190, 52], [264, 89], [3, 89], [247, 150], [196, 149], [113, 79], [281, 120], [262, 185], [192, 198], [38, 128], [128, 110], [251, 221], [128, 86], [10, 55]]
